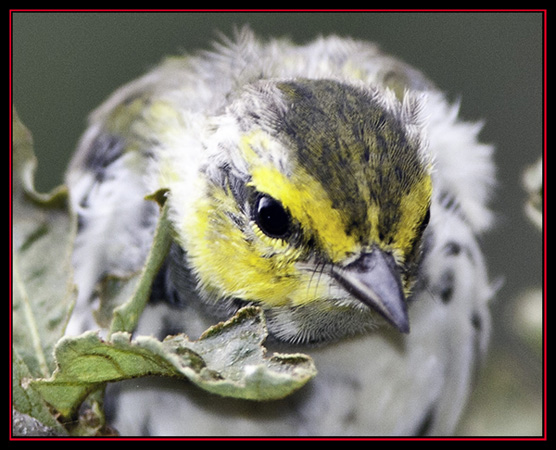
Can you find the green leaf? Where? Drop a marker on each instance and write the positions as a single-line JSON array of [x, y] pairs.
[[42, 237], [228, 360]]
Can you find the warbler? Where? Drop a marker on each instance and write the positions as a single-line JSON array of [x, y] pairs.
[[328, 183]]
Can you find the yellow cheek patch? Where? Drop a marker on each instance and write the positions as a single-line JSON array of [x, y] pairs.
[[230, 266]]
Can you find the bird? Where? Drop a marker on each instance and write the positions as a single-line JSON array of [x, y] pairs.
[[328, 183]]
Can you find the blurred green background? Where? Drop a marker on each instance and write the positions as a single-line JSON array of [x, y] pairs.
[[66, 64]]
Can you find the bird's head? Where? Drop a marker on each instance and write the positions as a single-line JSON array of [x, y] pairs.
[[315, 196]]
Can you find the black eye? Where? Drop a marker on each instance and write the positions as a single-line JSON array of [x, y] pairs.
[[271, 217]]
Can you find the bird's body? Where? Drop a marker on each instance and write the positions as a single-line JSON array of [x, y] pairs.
[[328, 183]]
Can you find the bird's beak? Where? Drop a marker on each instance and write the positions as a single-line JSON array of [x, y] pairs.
[[374, 279]]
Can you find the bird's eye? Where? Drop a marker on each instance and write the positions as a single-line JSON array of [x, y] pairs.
[[271, 217]]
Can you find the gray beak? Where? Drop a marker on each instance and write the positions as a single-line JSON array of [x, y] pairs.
[[374, 280]]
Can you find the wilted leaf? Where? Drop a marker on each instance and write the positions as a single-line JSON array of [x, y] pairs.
[[228, 360]]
